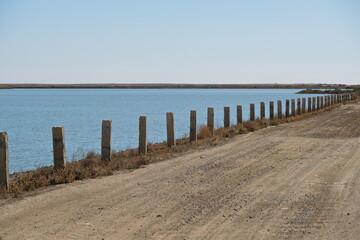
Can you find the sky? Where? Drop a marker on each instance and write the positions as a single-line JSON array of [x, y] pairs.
[[187, 41]]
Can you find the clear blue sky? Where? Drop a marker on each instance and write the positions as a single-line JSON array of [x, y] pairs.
[[184, 41]]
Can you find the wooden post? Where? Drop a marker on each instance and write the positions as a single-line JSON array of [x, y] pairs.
[[239, 114], [106, 140], [287, 110], [252, 112], [193, 130], [293, 110], [226, 117], [322, 102], [279, 109], [309, 104], [318, 102], [313, 104], [298, 106], [262, 110], [210, 119], [303, 105], [170, 129], [4, 161], [271, 110], [59, 147], [326, 101], [142, 135]]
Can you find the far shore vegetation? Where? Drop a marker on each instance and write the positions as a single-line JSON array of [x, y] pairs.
[[126, 160], [329, 91]]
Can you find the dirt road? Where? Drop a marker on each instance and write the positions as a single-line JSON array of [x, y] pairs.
[[295, 181]]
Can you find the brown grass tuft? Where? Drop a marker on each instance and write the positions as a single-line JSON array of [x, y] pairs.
[[204, 132]]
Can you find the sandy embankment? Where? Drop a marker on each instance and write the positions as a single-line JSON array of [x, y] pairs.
[[294, 181]]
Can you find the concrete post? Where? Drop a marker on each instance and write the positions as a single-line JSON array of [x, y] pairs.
[[318, 102], [309, 104], [303, 105], [59, 147], [271, 110], [298, 110], [313, 104], [210, 119], [226, 117], [106, 140], [279, 109], [239, 114], [287, 110], [252, 112], [4, 161], [262, 110], [170, 129], [142, 135], [293, 110], [193, 126]]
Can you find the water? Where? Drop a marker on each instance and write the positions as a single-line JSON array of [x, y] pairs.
[[29, 114]]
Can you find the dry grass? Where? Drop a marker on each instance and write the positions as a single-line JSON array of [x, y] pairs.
[[92, 167]]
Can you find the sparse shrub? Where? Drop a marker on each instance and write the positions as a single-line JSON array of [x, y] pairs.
[[250, 126], [204, 132]]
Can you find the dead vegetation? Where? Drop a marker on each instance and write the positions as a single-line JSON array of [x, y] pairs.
[[92, 167]]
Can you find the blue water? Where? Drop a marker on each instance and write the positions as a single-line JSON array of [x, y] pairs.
[[29, 114]]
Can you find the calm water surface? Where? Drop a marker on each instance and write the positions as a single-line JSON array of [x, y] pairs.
[[29, 114]]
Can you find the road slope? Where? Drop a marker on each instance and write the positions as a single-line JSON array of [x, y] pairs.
[[295, 181]]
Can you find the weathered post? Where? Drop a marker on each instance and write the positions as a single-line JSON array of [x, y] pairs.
[[252, 112], [313, 104], [298, 106], [292, 107], [4, 161], [309, 104], [106, 140], [193, 130], [271, 110], [210, 119], [279, 109], [226, 117], [239, 114], [262, 110], [59, 147], [142, 135], [303, 105], [322, 102], [318, 102], [287, 110], [170, 128]]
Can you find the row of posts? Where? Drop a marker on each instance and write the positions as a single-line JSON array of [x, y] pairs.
[[314, 103]]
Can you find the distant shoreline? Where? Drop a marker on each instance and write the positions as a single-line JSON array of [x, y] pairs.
[[183, 86]]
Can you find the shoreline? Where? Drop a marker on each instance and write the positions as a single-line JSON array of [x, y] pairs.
[[181, 86]]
